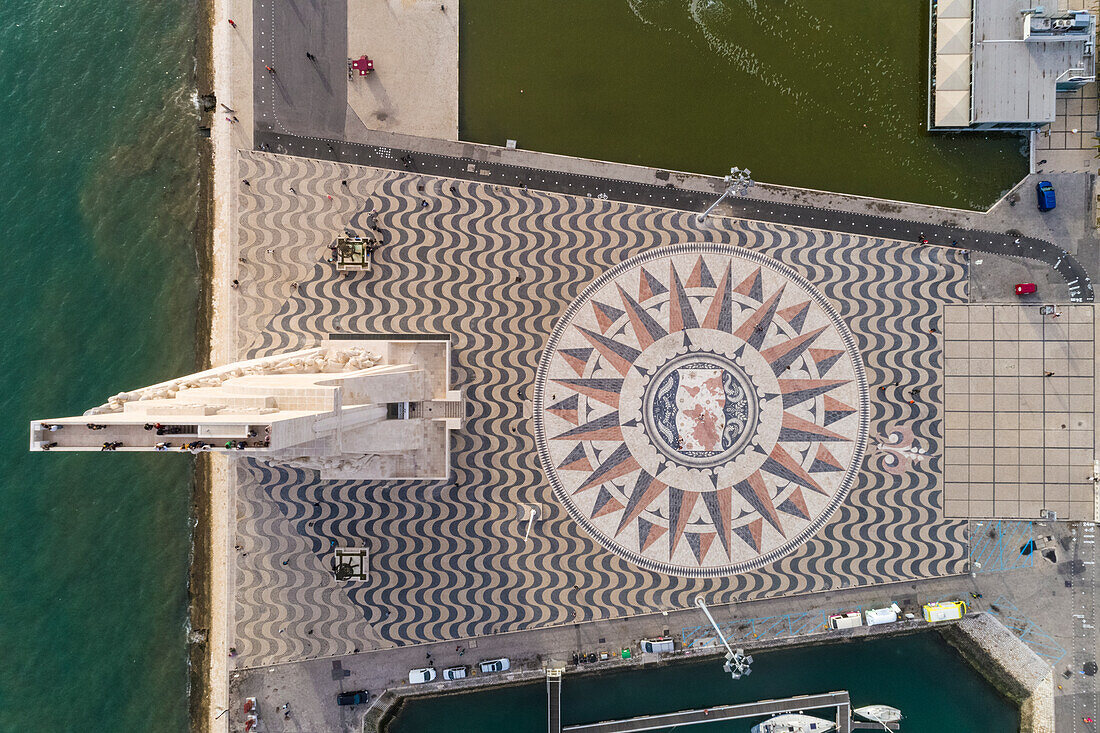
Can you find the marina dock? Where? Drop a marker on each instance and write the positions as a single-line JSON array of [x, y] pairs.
[[762, 709]]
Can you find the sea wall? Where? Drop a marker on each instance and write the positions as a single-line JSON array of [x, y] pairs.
[[1010, 665]]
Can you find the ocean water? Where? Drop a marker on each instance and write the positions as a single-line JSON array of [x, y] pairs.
[[98, 194], [827, 95], [919, 674]]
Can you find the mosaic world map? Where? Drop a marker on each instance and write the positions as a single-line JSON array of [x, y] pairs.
[[701, 410]]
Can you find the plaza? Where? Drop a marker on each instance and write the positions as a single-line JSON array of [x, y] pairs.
[[498, 268]]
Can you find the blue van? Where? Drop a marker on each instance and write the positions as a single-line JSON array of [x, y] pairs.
[[1045, 191]]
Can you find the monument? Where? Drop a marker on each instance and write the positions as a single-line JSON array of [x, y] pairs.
[[364, 408]]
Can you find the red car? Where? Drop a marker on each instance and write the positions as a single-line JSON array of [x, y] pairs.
[[1025, 288]]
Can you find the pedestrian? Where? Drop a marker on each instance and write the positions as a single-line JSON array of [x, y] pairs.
[[232, 23], [915, 391], [343, 183], [292, 190], [270, 251], [270, 69], [285, 562], [235, 118], [47, 446], [932, 330], [310, 56], [236, 284], [424, 204], [1049, 374], [246, 182]]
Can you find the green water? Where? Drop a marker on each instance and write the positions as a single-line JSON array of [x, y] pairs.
[[919, 674], [98, 189], [824, 95]]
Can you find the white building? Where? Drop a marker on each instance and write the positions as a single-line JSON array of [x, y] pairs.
[[997, 64]]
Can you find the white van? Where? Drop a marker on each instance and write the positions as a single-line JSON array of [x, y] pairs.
[[876, 616], [848, 620], [659, 645]]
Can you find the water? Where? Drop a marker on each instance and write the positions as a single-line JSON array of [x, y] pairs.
[[824, 95], [920, 674], [98, 189]]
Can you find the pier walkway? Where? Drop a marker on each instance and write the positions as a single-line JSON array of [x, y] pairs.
[[762, 709], [553, 700], [672, 197]]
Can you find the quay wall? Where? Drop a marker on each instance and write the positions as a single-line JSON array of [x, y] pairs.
[[982, 640], [1010, 665]]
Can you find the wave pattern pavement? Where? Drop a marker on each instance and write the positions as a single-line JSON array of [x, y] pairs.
[[494, 267]]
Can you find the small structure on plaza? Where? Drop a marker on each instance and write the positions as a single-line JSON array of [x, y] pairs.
[[997, 64], [354, 253], [350, 409]]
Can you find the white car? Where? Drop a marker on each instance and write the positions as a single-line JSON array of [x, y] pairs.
[[454, 673], [424, 674], [495, 665]]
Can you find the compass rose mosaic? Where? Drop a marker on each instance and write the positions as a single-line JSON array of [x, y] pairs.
[[701, 410]]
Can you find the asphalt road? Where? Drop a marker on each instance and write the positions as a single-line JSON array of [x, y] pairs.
[[1065, 264]]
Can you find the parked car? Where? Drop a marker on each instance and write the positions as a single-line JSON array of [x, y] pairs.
[[454, 673], [358, 697], [424, 674], [495, 665], [1025, 288], [1045, 192]]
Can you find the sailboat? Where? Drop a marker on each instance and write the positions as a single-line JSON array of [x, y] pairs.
[[879, 713], [794, 723]]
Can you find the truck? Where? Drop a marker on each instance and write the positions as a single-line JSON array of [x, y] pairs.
[[659, 645], [944, 611], [848, 620]]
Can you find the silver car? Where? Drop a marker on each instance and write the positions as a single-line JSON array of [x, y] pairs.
[[454, 673], [495, 665], [419, 676]]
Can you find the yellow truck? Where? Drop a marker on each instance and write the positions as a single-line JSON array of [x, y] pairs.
[[944, 611]]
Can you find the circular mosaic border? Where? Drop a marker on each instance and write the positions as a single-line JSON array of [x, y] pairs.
[[701, 248]]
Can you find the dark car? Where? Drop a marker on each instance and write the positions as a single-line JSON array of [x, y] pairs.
[[352, 698], [1045, 192]]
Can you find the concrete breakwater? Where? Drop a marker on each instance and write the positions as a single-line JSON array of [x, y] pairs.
[[1010, 665]]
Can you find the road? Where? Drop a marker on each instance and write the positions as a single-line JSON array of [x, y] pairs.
[[669, 196]]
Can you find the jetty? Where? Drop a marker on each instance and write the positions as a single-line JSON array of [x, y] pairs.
[[839, 702]]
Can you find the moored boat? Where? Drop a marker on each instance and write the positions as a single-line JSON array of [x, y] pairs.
[[794, 723], [879, 713]]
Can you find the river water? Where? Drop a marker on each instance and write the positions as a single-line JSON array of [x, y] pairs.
[[98, 184], [823, 95], [919, 674]]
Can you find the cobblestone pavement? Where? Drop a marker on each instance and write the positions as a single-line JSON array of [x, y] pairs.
[[495, 268]]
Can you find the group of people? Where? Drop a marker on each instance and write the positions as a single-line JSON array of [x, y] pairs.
[[114, 445]]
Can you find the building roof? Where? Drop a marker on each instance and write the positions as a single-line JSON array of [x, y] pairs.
[[1014, 79]]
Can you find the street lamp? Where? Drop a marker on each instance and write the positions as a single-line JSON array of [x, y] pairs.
[[737, 662], [737, 183]]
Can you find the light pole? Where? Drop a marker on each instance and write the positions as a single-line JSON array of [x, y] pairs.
[[737, 183], [737, 662]]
